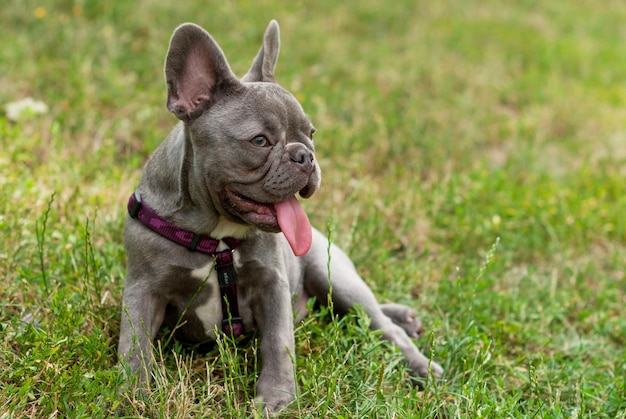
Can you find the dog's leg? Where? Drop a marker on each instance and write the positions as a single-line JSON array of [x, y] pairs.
[[348, 289], [142, 315], [272, 311]]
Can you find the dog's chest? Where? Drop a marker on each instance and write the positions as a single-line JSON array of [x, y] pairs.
[[209, 311], [211, 308]]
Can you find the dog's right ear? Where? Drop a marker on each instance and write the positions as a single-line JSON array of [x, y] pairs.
[[195, 68]]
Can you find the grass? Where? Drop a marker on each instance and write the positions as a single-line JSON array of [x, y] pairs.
[[474, 157]]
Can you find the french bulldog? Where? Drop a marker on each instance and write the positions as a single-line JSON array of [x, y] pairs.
[[216, 239]]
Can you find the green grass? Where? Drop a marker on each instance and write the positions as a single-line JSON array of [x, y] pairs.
[[474, 157]]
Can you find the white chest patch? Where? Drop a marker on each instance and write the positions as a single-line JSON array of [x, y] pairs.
[[209, 313], [227, 228]]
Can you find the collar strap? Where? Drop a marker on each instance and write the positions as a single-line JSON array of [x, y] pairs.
[[232, 323], [192, 241]]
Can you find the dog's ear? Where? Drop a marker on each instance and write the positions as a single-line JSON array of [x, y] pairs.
[[264, 63], [195, 70]]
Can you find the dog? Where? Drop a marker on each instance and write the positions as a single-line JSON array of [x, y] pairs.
[[216, 239]]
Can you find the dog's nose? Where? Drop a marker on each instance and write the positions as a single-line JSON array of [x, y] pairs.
[[303, 158]]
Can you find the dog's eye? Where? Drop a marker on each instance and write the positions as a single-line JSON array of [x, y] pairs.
[[259, 141]]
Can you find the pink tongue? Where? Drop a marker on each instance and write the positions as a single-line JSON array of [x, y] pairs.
[[295, 225]]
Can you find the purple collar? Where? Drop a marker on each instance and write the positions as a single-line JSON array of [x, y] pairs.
[[232, 323], [192, 241]]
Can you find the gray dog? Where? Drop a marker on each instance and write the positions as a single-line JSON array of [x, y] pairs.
[[204, 256]]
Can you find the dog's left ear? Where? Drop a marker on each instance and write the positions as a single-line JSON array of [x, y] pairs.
[[264, 63], [196, 72]]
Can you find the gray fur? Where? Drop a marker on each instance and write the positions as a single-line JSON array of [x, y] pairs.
[[190, 179]]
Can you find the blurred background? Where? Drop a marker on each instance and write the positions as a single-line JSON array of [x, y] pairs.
[[473, 158]]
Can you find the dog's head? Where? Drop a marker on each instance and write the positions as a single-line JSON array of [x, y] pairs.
[[252, 143]]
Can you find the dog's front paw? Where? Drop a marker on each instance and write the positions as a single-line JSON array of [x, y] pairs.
[[273, 396]]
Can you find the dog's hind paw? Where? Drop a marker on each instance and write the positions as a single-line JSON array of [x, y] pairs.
[[425, 370], [404, 317]]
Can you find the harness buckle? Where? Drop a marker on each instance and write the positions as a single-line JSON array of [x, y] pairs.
[[194, 242], [133, 210], [233, 326]]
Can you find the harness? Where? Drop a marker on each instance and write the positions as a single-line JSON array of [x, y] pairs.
[[232, 323]]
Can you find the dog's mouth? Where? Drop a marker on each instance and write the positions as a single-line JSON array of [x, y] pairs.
[[286, 216], [259, 214]]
